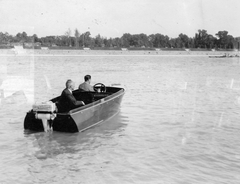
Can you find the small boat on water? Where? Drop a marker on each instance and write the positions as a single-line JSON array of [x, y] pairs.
[[224, 56], [217, 56], [99, 107]]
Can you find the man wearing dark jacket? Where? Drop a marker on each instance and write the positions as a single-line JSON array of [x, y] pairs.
[[67, 100]]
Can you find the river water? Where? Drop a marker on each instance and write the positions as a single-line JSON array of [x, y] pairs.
[[179, 121]]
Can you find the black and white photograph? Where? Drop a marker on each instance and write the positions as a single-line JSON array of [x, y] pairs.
[[119, 92]]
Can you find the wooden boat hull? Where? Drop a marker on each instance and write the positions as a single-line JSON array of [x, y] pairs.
[[81, 118]]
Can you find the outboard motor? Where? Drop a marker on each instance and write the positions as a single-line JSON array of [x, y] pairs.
[[45, 111]]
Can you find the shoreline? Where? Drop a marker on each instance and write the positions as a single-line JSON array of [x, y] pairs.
[[31, 52]]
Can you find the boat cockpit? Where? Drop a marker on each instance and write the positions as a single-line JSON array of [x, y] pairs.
[[89, 97]]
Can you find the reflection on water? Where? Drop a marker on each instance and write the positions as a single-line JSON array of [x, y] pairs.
[[52, 144], [179, 123]]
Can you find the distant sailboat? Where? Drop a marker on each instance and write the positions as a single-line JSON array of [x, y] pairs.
[[19, 50]]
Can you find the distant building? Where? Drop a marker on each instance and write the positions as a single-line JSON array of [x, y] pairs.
[[44, 48], [32, 45], [38, 44], [86, 48], [17, 44], [124, 49], [28, 45]]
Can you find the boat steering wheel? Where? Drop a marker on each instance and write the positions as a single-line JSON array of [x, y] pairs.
[[100, 86]]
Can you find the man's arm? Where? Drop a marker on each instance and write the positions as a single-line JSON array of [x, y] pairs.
[[73, 100]]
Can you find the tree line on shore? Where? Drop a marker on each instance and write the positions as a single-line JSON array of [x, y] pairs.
[[201, 39]]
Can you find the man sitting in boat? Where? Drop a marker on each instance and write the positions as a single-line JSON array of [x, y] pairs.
[[86, 85], [67, 100]]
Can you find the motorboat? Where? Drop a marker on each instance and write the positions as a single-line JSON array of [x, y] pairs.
[[224, 56], [99, 106]]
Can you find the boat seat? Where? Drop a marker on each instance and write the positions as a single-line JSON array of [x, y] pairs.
[[87, 97]]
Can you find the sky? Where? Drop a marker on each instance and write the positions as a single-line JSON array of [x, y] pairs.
[[113, 18]]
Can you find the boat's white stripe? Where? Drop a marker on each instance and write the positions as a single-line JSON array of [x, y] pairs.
[[90, 126]]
